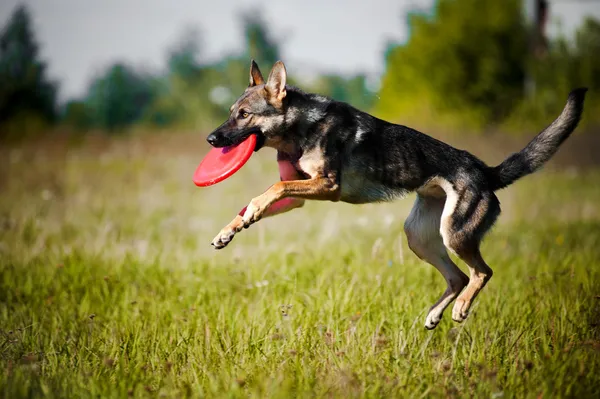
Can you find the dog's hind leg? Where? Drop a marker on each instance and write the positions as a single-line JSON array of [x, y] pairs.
[[422, 229], [480, 274], [465, 220]]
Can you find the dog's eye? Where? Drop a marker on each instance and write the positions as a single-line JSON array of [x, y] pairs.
[[243, 115]]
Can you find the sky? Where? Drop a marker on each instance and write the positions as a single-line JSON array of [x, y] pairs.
[[81, 37]]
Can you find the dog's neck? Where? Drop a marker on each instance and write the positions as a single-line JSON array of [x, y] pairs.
[[304, 114], [305, 109]]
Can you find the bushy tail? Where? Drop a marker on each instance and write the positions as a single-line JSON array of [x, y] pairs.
[[543, 146]]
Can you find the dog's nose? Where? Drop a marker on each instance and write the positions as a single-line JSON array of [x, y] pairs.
[[212, 139]]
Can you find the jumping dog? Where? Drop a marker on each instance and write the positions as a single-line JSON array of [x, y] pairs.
[[329, 151]]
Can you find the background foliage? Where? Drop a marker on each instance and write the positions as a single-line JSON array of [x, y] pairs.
[[467, 65], [27, 96]]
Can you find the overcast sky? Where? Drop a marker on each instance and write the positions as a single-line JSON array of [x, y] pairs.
[[79, 37]]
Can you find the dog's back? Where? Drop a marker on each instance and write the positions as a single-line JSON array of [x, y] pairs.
[[381, 161]]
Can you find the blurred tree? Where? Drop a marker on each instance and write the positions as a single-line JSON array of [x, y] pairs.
[[260, 44], [175, 92], [76, 115], [119, 97], [587, 57], [24, 88], [468, 59], [184, 95], [539, 39], [182, 58], [352, 90], [198, 95], [567, 64]]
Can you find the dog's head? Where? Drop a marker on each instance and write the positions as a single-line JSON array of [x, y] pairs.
[[260, 110]]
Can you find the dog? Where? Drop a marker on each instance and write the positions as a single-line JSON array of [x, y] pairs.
[[329, 151]]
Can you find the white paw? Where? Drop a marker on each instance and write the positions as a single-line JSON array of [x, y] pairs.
[[223, 238], [433, 318]]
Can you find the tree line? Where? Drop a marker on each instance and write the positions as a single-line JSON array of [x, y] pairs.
[[474, 64], [467, 64]]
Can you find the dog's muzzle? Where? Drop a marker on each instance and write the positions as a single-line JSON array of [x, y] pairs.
[[225, 137]]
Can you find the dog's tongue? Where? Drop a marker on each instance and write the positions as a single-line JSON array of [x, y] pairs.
[[220, 163]]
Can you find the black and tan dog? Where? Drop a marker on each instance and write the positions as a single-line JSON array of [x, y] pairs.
[[328, 150]]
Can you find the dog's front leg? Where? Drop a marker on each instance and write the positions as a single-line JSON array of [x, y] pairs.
[[266, 204], [287, 171], [236, 225], [320, 188]]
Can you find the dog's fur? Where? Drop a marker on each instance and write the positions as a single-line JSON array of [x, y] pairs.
[[328, 150]]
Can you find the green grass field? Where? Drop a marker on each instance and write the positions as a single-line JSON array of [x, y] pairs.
[[109, 286]]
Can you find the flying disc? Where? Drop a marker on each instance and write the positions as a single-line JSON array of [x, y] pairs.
[[220, 163]]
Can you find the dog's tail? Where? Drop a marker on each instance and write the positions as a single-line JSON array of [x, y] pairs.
[[543, 146]]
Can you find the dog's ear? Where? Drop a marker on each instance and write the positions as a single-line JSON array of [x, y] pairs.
[[276, 83], [256, 77]]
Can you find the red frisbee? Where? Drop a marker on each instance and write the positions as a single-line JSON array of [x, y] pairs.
[[220, 163]]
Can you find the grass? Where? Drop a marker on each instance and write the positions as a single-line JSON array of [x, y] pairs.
[[109, 287]]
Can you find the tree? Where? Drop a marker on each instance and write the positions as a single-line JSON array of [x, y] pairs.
[[567, 64], [260, 45], [182, 58], [468, 59], [184, 95], [587, 48], [352, 90], [76, 115], [24, 87], [119, 97]]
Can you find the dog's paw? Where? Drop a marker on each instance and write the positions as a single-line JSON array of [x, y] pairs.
[[433, 319], [225, 236], [460, 311], [254, 211]]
